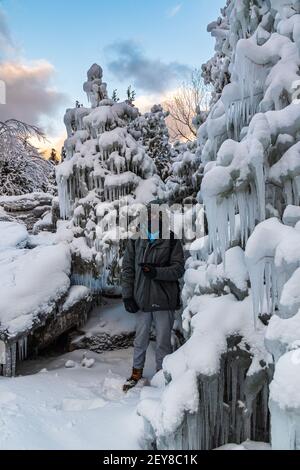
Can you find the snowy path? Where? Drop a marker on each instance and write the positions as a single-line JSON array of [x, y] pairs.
[[52, 407]]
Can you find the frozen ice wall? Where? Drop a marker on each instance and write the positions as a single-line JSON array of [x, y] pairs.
[[249, 156], [105, 167]]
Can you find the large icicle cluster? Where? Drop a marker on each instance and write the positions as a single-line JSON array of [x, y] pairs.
[[249, 148], [105, 168], [216, 384], [256, 173]]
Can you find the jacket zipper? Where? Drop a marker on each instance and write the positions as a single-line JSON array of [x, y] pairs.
[[147, 280]]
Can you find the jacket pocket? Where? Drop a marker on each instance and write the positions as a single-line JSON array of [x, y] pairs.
[[164, 295]]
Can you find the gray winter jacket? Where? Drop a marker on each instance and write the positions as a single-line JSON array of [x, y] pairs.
[[160, 293]]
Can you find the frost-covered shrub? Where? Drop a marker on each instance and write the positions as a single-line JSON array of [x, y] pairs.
[[22, 168]]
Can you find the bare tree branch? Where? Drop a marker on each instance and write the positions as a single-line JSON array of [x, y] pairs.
[[16, 134], [22, 167], [192, 97]]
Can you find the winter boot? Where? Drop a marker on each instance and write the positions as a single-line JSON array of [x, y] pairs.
[[137, 375]]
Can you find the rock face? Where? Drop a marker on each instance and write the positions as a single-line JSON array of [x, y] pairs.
[[105, 169], [104, 342], [68, 315], [37, 303], [109, 328], [43, 333], [28, 208]]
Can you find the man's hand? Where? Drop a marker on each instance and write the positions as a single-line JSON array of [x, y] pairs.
[[130, 305], [149, 271]]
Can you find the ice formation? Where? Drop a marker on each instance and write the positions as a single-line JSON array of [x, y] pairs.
[[241, 293], [106, 167]]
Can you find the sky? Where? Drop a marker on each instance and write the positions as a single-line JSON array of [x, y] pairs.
[[46, 48]]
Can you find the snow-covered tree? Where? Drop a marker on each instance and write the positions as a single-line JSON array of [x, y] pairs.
[[151, 129], [105, 168], [114, 96], [242, 287], [184, 181], [22, 168], [131, 94], [54, 157], [216, 71]]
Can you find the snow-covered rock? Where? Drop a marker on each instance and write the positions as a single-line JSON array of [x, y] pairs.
[[12, 235], [32, 282]]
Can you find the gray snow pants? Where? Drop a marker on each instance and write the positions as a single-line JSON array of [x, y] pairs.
[[164, 321]]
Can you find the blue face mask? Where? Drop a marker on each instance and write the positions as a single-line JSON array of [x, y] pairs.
[[152, 236]]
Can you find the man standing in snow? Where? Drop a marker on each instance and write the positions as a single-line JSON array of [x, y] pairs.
[[152, 267]]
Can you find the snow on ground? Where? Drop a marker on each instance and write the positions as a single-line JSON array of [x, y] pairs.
[[75, 400], [75, 294], [54, 407], [12, 234], [248, 445]]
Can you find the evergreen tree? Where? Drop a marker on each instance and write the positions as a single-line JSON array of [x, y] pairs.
[[105, 168], [152, 131], [115, 97], [53, 157], [131, 94]]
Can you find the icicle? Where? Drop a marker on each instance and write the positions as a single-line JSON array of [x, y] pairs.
[[257, 287], [288, 192], [268, 285], [221, 224], [20, 349], [87, 279], [13, 359], [234, 387]]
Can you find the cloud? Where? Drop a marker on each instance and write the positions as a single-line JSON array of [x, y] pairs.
[[7, 45], [145, 102], [29, 96], [175, 10], [55, 142], [127, 61]]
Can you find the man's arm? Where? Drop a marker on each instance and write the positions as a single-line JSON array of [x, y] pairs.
[[176, 269], [128, 271]]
